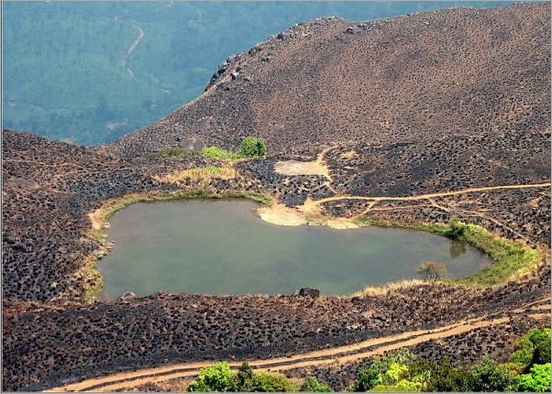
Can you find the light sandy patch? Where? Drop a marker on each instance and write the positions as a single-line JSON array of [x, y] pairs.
[[308, 213], [281, 215], [294, 167], [310, 207], [341, 224], [96, 219]]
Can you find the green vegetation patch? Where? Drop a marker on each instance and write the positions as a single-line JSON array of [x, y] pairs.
[[510, 259], [250, 147], [220, 377], [403, 371], [399, 371], [214, 152]]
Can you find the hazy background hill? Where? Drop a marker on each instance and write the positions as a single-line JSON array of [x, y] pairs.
[[68, 75]]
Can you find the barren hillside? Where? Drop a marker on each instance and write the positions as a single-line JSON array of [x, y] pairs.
[[437, 75]]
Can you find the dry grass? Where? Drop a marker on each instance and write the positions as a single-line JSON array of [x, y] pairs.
[[197, 174], [384, 290]]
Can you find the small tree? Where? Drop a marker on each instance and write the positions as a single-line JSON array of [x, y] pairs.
[[432, 270], [457, 228], [541, 339], [532, 348], [244, 377], [253, 147]]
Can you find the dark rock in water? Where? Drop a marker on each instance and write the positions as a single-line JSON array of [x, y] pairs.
[[127, 295], [309, 291]]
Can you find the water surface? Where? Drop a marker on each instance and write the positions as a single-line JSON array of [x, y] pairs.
[[222, 247]]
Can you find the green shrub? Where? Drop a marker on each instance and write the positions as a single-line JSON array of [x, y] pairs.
[[244, 377], [456, 228], [523, 354], [489, 376], [538, 380], [312, 385], [218, 377], [367, 378], [541, 340], [270, 382], [253, 147], [442, 376], [532, 348], [384, 372]]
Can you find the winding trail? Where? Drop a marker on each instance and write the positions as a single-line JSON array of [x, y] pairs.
[[342, 354], [433, 195], [132, 48]]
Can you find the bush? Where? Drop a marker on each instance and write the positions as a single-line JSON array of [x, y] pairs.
[[532, 348], [270, 382], [367, 378], [523, 354], [538, 380], [244, 377], [488, 376], [456, 228], [442, 376], [384, 373], [253, 147], [312, 385], [432, 270], [541, 340], [218, 377]]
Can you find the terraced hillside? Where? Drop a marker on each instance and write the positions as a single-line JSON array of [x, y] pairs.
[[411, 120]]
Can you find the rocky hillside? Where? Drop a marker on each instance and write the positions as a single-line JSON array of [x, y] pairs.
[[441, 75]]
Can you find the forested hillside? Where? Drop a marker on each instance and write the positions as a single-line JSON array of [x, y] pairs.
[[89, 72]]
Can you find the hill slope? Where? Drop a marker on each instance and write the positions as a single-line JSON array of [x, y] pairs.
[[442, 74]]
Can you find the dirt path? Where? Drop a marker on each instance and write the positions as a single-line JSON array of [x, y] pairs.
[[286, 216], [132, 47], [342, 354], [433, 195]]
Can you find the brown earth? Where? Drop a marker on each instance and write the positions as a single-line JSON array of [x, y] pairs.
[[416, 119]]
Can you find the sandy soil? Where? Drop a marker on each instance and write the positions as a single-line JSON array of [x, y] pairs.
[[308, 213], [281, 215], [294, 167]]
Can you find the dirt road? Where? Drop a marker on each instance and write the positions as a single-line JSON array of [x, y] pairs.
[[342, 354]]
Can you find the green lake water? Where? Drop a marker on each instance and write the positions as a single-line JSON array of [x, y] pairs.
[[222, 247]]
